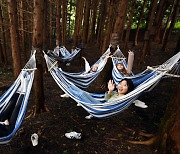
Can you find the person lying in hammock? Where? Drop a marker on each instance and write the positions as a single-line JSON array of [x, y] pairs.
[[124, 87], [10, 114], [121, 69], [11, 111]]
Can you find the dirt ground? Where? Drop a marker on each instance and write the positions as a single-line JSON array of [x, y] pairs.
[[99, 136]]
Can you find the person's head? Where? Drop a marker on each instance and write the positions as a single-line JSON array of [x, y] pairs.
[[120, 67], [125, 86], [94, 68]]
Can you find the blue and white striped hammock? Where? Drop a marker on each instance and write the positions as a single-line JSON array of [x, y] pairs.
[[62, 54], [13, 102], [95, 103], [85, 78], [136, 78]]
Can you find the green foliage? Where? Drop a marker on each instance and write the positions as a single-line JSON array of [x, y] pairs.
[[177, 25]]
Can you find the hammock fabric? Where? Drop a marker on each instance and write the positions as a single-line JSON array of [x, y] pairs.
[[95, 103], [85, 78], [62, 54], [13, 102], [118, 57]]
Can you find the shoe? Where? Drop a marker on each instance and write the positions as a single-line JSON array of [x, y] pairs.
[[89, 116], [73, 135], [140, 104], [68, 64], [34, 139], [78, 104], [65, 95]]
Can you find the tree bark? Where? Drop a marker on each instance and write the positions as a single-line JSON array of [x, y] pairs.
[[101, 22], [173, 21], [12, 10], [91, 33], [58, 23], [150, 20], [86, 20], [78, 22], [167, 22], [3, 42], [38, 44], [64, 21], [139, 22], [120, 20], [129, 23]]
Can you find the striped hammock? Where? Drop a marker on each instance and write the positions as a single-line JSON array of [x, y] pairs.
[[13, 102], [95, 103], [62, 54], [85, 78], [118, 57]]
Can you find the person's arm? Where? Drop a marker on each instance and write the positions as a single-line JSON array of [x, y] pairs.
[[111, 87]]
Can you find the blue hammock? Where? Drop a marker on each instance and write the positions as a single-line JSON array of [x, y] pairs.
[[85, 78], [13, 102], [62, 54], [95, 103]]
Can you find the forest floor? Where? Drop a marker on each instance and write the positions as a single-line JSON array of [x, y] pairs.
[[99, 136]]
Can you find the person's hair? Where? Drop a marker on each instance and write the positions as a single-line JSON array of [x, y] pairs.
[[123, 71], [129, 84]]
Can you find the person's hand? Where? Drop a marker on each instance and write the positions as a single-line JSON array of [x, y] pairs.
[[111, 86]]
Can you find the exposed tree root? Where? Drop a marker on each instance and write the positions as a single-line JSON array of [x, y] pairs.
[[149, 142], [145, 134]]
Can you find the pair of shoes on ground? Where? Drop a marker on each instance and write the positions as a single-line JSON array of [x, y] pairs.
[[140, 104], [73, 135]]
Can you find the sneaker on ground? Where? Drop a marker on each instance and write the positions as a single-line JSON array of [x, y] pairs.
[[65, 95], [73, 135], [89, 116]]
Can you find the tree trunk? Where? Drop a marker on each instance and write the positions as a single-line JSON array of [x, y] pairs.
[[120, 20], [150, 20], [167, 22], [58, 23], [86, 20], [51, 23], [177, 46], [139, 22], [101, 22], [129, 23], [78, 22], [3, 42], [109, 27], [159, 19], [21, 21], [64, 21], [91, 33], [38, 44], [12, 10], [173, 21]]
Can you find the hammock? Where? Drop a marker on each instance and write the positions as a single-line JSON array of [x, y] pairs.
[[118, 57], [13, 102], [62, 54], [85, 78], [95, 103]]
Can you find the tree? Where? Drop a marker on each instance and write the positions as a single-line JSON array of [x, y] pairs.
[[126, 40], [58, 23], [150, 20], [139, 22], [12, 10], [78, 22], [3, 56], [173, 21], [167, 137], [38, 44], [86, 21]]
